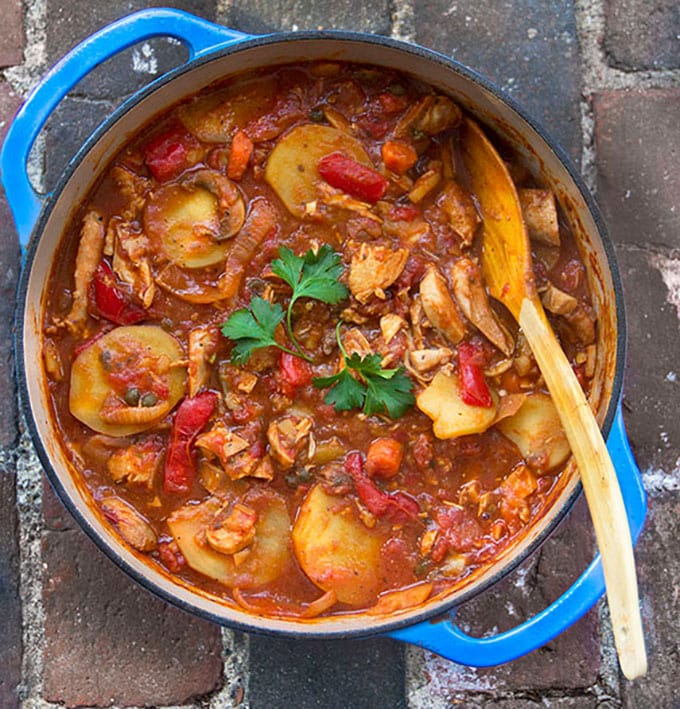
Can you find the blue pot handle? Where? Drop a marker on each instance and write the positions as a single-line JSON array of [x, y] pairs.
[[199, 36], [449, 641]]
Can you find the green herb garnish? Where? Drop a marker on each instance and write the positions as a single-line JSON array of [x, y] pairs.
[[375, 390]]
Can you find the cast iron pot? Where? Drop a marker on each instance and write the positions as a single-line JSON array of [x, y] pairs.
[[214, 53]]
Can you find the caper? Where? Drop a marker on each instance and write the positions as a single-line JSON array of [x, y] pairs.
[[149, 399], [132, 396], [317, 115], [396, 89]]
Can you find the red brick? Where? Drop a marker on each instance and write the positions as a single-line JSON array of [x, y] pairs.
[[12, 37], [55, 516], [108, 641], [642, 34]]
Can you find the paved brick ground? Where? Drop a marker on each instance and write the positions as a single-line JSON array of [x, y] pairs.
[[603, 76]]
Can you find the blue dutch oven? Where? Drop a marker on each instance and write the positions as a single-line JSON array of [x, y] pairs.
[[216, 52]]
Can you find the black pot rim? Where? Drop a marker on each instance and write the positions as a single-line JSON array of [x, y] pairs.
[[434, 613]]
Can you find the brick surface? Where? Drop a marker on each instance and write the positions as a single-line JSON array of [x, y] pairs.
[[333, 675], [529, 49], [642, 34], [571, 661], [55, 516], [659, 577], [12, 37], [107, 641], [71, 21], [10, 604], [263, 16]]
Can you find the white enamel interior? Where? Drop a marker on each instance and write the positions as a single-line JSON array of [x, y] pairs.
[[475, 98]]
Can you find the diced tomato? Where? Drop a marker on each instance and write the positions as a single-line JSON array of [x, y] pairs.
[[423, 452], [403, 213], [398, 156], [239, 155], [352, 177], [171, 556], [169, 153], [191, 417], [110, 301], [383, 458], [294, 373], [391, 103], [474, 389], [373, 123]]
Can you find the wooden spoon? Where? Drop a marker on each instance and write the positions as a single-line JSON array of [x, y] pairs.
[[508, 271]]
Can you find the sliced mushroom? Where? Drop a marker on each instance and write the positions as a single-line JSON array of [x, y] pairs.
[[286, 437], [134, 529], [468, 287], [425, 360], [373, 269], [439, 307], [203, 343]]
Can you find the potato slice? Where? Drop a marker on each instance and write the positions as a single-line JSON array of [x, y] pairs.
[[451, 416], [269, 553], [184, 222], [90, 385], [292, 166], [335, 549], [537, 431]]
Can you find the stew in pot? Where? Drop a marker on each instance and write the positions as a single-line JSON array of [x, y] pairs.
[[272, 357]]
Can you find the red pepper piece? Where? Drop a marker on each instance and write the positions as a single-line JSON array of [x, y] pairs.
[[398, 507], [474, 389], [294, 372], [352, 177], [192, 415], [167, 154], [110, 301]]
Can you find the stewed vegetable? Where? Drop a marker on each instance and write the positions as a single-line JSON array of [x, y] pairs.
[[273, 357]]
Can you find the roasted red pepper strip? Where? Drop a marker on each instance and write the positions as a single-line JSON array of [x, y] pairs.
[[167, 154], [398, 507], [110, 301], [294, 372], [352, 177], [192, 415], [474, 389]]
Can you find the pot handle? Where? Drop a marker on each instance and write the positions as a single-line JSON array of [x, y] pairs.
[[198, 35], [448, 640]]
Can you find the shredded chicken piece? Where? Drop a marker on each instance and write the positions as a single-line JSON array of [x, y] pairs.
[[426, 182], [53, 363], [540, 214], [232, 530], [439, 307], [577, 316], [222, 443], [203, 343], [248, 465], [134, 529], [334, 198], [133, 189], [425, 360], [373, 269], [130, 261], [557, 301], [431, 115], [354, 341], [460, 210], [138, 464], [390, 325], [286, 437], [468, 287], [89, 255]]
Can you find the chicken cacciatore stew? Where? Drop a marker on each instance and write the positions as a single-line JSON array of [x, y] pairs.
[[274, 362]]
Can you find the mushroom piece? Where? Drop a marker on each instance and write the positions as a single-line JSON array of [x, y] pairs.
[[390, 324], [468, 287], [134, 529], [439, 307], [425, 360], [203, 343], [373, 269], [232, 529], [287, 436], [460, 211]]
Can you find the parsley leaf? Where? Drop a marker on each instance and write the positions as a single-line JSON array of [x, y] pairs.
[[252, 329], [346, 392]]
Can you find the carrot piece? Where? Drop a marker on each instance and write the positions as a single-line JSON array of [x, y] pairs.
[[398, 156], [239, 155], [384, 458]]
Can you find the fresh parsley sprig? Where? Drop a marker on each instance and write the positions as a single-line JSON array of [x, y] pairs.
[[314, 275], [374, 389]]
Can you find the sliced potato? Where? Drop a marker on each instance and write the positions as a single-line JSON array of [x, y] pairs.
[[537, 431], [292, 166], [91, 387], [451, 416], [335, 549], [269, 553], [184, 221]]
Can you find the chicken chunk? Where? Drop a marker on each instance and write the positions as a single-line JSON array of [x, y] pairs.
[[232, 529], [373, 269], [137, 464], [203, 343], [425, 360], [557, 301], [540, 215], [222, 443], [130, 261], [132, 188], [134, 529], [439, 307], [468, 287], [579, 318], [461, 213], [287, 437], [354, 341], [390, 324], [89, 255]]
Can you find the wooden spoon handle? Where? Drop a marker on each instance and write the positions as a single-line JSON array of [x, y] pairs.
[[599, 483]]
